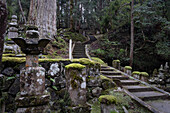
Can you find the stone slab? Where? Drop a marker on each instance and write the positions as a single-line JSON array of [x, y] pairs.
[[138, 88], [150, 95], [107, 69], [129, 82], [110, 73], [120, 77], [161, 105]]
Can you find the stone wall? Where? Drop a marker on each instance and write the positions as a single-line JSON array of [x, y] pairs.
[[55, 84]]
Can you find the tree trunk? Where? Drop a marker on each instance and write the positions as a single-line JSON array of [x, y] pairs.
[[132, 35], [71, 15], [58, 13], [22, 12], [3, 23], [43, 14]]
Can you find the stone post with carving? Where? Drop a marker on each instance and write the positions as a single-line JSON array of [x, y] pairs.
[[32, 98]]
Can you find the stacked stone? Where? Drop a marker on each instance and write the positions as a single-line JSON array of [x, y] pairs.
[[13, 30]]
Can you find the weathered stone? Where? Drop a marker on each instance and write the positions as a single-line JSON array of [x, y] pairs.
[[108, 108], [80, 109], [108, 84], [15, 88], [47, 83], [37, 109], [94, 82], [53, 94], [54, 70], [97, 91], [8, 71], [32, 80], [76, 83], [28, 101]]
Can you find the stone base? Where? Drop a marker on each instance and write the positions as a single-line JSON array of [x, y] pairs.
[[80, 109], [32, 100], [36, 109], [107, 108]]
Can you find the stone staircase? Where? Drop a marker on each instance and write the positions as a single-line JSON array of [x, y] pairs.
[[79, 51], [152, 98]]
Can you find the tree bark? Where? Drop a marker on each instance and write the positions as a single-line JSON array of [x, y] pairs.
[[3, 23], [43, 14], [22, 12], [132, 35], [71, 15]]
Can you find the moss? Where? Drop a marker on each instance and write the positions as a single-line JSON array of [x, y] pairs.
[[75, 66], [53, 60], [107, 99], [12, 55], [118, 61], [74, 84], [144, 74], [86, 61], [13, 59], [99, 61], [74, 76], [105, 78], [136, 73], [74, 36], [128, 67]]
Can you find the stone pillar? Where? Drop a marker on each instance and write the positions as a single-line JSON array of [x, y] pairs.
[[128, 70], [116, 64], [32, 98], [13, 30], [76, 83], [107, 103], [144, 76], [76, 86], [136, 74]]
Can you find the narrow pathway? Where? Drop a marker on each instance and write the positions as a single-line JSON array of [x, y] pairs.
[[154, 99]]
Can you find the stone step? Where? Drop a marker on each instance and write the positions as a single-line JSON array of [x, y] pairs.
[[110, 73], [78, 53], [150, 95], [120, 77], [107, 69], [102, 67], [138, 88], [129, 82], [79, 57]]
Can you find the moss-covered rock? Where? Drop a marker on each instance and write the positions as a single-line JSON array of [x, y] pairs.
[[107, 99], [128, 67], [116, 61], [75, 66], [99, 61], [144, 74], [136, 73], [86, 61]]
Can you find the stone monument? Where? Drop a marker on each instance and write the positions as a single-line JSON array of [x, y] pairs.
[[32, 98]]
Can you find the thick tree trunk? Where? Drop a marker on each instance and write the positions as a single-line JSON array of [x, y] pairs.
[[71, 15], [3, 23], [43, 14], [132, 35]]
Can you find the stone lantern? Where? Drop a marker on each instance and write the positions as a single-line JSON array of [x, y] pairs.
[[32, 98]]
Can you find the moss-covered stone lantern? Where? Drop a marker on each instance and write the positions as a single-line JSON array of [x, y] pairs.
[[32, 98]]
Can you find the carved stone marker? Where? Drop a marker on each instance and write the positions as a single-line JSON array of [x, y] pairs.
[[32, 98]]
